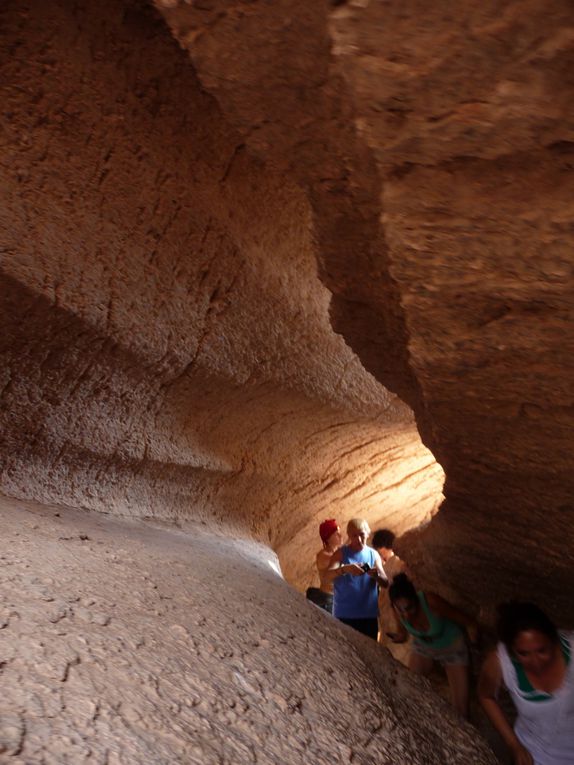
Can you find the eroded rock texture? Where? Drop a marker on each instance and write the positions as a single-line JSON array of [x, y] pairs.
[[109, 655], [166, 343], [436, 146], [183, 235], [470, 117]]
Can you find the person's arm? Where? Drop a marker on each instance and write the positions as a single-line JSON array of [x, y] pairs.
[[378, 572], [322, 561], [334, 569], [444, 609], [489, 684], [400, 635]]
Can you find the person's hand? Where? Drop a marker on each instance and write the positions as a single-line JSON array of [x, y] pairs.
[[354, 569], [396, 637], [521, 755], [375, 574]]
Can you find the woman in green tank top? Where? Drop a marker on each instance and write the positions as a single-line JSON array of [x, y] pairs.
[[438, 631]]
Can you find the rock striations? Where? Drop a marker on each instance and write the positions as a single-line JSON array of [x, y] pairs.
[[282, 271], [436, 147]]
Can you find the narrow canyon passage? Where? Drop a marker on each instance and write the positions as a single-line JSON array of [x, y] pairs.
[[167, 346], [262, 264]]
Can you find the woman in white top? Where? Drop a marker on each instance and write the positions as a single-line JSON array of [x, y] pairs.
[[534, 661]]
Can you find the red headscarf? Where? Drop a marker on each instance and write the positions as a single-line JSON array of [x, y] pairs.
[[327, 528]]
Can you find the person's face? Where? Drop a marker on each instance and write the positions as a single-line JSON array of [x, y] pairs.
[[384, 552], [534, 650], [335, 540], [405, 608], [357, 538]]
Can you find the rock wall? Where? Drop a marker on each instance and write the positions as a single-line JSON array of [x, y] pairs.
[[469, 114], [230, 274], [166, 344], [435, 145]]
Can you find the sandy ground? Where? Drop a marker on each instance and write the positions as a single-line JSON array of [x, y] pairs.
[[123, 642]]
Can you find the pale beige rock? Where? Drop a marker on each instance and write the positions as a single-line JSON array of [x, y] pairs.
[[261, 675], [166, 344], [167, 353]]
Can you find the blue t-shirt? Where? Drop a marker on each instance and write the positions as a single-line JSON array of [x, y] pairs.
[[355, 597]]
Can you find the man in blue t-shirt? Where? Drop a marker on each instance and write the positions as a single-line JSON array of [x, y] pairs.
[[356, 570]]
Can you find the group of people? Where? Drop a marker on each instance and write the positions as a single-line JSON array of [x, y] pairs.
[[369, 589]]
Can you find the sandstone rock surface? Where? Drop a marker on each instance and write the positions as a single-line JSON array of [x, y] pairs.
[[468, 111], [238, 279], [135, 669], [166, 344], [436, 147]]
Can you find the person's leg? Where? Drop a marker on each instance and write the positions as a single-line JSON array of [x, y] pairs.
[[458, 682], [328, 604], [366, 627], [422, 665], [312, 593], [371, 628], [322, 599]]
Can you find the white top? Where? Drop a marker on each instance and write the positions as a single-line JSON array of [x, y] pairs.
[[545, 728]]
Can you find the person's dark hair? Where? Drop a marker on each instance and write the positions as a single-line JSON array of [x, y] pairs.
[[383, 538], [514, 618], [402, 587]]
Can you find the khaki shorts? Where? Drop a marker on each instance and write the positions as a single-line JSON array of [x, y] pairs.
[[456, 653]]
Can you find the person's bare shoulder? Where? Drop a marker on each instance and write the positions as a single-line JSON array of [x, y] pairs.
[[325, 559], [393, 567]]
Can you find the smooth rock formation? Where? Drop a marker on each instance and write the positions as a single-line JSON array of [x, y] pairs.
[[109, 655]]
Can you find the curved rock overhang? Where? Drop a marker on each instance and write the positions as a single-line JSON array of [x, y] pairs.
[[167, 349], [227, 283], [436, 148]]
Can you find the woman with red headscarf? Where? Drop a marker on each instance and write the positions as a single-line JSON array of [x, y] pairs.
[[330, 534]]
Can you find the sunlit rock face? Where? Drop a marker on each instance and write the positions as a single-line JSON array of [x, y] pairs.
[[230, 273], [436, 146], [166, 345]]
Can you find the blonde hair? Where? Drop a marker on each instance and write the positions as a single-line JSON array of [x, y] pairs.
[[360, 524]]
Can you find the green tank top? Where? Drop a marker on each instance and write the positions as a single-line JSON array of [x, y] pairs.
[[441, 633]]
